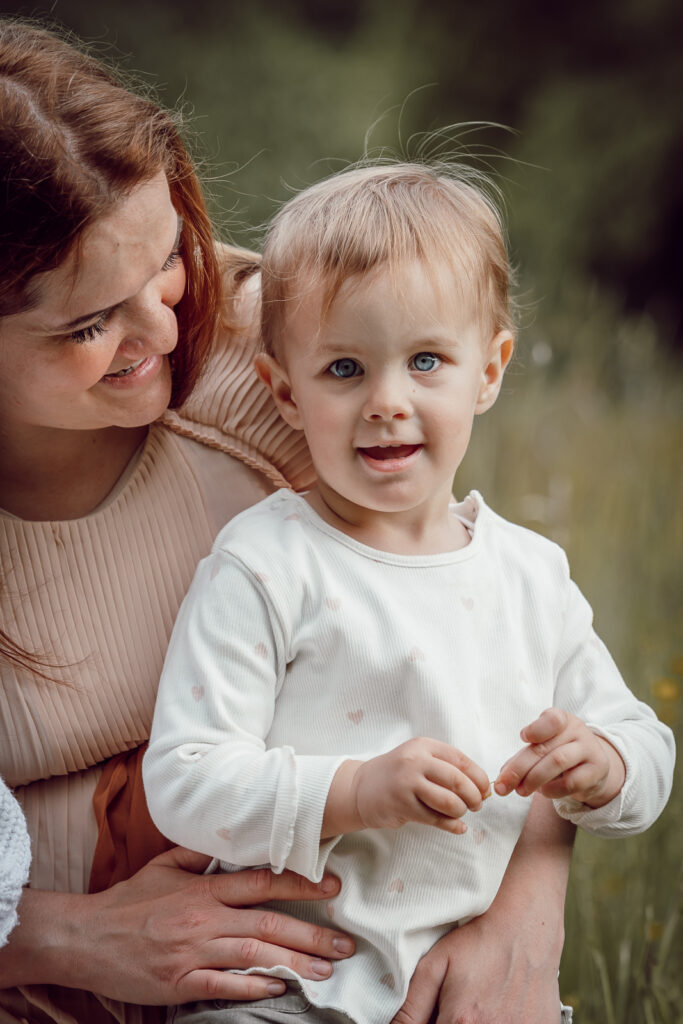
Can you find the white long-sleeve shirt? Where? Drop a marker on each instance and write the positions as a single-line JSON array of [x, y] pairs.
[[297, 648]]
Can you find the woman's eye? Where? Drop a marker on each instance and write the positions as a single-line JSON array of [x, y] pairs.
[[345, 368], [172, 260], [90, 332], [425, 361]]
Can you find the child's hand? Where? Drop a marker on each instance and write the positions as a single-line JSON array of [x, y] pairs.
[[422, 780], [564, 758]]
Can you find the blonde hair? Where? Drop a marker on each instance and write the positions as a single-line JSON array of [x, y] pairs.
[[370, 217]]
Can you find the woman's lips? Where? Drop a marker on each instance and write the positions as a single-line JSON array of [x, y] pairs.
[[389, 458], [137, 373]]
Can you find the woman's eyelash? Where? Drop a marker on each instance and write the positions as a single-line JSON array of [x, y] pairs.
[[90, 332], [172, 260]]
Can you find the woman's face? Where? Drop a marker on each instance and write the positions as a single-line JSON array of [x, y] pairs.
[[93, 350]]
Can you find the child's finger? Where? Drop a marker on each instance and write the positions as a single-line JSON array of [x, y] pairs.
[[549, 724], [551, 766], [578, 782], [441, 800], [515, 770], [464, 764], [452, 780]]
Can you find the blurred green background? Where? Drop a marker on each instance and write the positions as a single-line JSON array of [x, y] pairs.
[[585, 443]]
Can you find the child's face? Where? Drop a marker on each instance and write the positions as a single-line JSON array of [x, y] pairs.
[[386, 387]]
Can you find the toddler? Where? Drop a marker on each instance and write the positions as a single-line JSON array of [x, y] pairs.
[[351, 666]]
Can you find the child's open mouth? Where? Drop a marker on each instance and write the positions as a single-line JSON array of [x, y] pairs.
[[388, 458]]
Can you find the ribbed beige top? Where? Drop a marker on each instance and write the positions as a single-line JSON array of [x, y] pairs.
[[98, 597]]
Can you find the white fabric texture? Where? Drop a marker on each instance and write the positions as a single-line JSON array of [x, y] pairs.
[[15, 859], [297, 648]]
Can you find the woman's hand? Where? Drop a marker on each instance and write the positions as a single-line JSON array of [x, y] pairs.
[[501, 968], [166, 935]]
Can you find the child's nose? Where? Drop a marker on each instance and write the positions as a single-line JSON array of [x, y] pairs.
[[388, 400]]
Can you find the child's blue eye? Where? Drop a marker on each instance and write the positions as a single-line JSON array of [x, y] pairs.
[[345, 368], [425, 361]]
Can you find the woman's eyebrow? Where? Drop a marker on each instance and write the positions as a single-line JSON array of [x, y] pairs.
[[83, 319], [96, 314]]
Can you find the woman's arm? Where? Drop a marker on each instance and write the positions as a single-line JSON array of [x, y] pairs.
[[166, 935], [502, 966]]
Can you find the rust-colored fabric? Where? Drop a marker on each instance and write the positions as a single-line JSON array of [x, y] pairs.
[[127, 837]]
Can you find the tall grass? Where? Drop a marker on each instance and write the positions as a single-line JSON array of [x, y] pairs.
[[585, 446]]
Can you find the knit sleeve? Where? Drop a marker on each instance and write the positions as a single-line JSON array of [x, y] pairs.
[[211, 782], [15, 858], [589, 685], [230, 409]]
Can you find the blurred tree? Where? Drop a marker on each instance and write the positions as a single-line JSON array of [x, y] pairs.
[[592, 87]]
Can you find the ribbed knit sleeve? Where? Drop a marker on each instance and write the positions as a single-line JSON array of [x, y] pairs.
[[590, 686], [210, 780]]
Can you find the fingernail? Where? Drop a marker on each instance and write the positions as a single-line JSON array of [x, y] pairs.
[[321, 968], [329, 885], [276, 988], [501, 789], [344, 946]]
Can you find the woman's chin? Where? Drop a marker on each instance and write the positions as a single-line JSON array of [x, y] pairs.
[[140, 407]]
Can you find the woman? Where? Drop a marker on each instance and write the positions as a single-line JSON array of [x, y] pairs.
[[131, 428]]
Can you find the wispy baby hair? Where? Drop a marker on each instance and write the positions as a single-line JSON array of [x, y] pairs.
[[367, 217]]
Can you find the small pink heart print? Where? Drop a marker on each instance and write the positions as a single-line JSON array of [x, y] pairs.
[[479, 834], [223, 833], [329, 910], [416, 654], [388, 980], [198, 693], [261, 577], [396, 885], [293, 517], [261, 650], [356, 716], [333, 603], [215, 569], [467, 603]]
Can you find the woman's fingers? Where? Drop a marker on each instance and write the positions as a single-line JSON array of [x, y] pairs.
[[210, 984], [262, 939], [259, 885], [269, 934], [245, 951]]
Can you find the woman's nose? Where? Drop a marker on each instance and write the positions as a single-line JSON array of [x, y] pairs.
[[150, 316]]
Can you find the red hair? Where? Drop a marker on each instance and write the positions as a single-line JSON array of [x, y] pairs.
[[74, 141]]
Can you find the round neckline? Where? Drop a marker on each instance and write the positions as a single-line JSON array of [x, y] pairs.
[[122, 484], [391, 557]]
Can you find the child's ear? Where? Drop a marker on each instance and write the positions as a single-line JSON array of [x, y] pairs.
[[500, 352], [275, 377]]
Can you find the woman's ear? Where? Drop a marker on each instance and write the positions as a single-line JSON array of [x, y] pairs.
[[275, 377], [499, 354]]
